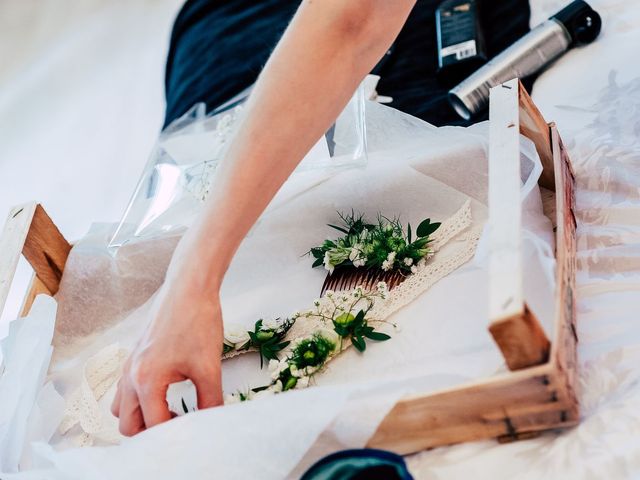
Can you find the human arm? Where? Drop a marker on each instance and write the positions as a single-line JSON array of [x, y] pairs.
[[326, 51]]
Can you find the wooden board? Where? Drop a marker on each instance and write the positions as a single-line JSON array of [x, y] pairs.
[[514, 327], [29, 231]]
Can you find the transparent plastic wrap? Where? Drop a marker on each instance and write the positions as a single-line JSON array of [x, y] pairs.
[[178, 176]]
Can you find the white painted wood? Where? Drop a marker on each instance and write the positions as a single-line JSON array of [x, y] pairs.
[[505, 214], [11, 243]]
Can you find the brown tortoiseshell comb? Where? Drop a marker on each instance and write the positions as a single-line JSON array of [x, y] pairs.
[[348, 278]]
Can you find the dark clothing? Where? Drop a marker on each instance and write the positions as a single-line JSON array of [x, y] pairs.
[[218, 48]]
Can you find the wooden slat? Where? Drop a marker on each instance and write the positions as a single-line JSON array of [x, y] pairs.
[[563, 353], [36, 288], [513, 326], [506, 406], [46, 250], [505, 214], [12, 242], [534, 126], [521, 339]]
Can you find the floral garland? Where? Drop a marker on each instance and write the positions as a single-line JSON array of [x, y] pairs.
[[383, 245], [342, 319]]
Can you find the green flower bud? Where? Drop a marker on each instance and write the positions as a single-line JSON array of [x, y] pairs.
[[290, 383], [263, 336], [345, 319]]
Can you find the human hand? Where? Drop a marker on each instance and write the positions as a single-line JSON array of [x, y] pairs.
[[183, 341]]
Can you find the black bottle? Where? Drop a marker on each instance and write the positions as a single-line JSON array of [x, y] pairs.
[[460, 41]]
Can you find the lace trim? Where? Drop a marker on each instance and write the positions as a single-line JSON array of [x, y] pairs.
[[100, 372], [424, 279]]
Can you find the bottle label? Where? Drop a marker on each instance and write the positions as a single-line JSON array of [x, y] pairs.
[[460, 50]]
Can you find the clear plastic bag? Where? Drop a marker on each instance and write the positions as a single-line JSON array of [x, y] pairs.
[[178, 176]]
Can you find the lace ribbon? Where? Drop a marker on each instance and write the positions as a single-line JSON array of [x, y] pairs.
[[100, 372]]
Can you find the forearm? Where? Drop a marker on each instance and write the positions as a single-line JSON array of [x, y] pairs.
[[326, 51]]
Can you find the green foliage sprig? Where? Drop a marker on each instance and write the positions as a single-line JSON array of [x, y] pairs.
[[383, 245]]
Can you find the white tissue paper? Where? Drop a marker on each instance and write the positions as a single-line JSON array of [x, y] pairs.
[[30, 408]]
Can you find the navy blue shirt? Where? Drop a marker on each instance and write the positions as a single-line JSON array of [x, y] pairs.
[[218, 48]]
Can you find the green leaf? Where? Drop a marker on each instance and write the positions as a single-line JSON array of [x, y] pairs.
[[408, 233], [377, 336], [359, 343], [340, 229], [318, 262], [426, 228]]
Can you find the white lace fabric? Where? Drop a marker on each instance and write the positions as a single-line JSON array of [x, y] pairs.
[[100, 372]]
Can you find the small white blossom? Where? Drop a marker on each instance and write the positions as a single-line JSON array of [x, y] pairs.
[[386, 266], [236, 335], [408, 261], [391, 257], [273, 365], [327, 263], [329, 293], [414, 269], [277, 387], [360, 262], [302, 382], [270, 324], [316, 302], [355, 252]]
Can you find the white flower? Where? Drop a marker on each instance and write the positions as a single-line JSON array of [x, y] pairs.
[[273, 365], [270, 324], [408, 261], [295, 372], [355, 252], [360, 262], [296, 314], [302, 382], [236, 335], [414, 269], [391, 257], [316, 302], [329, 293], [386, 266], [277, 387], [327, 263]]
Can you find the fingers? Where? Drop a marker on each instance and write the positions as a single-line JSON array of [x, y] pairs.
[[209, 387], [153, 400], [131, 420]]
